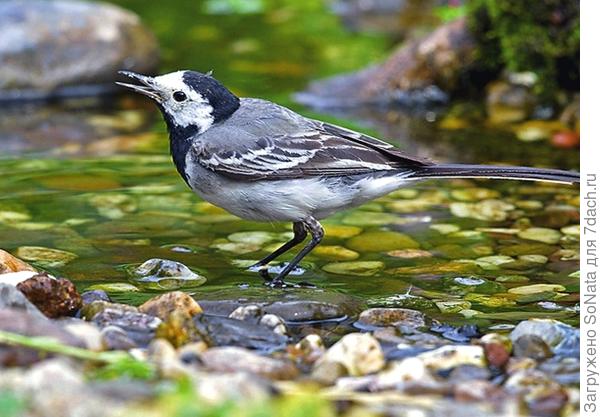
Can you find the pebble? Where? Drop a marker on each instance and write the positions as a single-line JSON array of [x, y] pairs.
[[541, 234], [531, 346], [449, 357], [382, 317], [139, 327], [356, 268], [381, 242], [45, 257], [562, 338], [163, 305], [235, 359], [359, 353], [53, 297]]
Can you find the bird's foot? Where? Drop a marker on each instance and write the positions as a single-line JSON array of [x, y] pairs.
[[280, 283]]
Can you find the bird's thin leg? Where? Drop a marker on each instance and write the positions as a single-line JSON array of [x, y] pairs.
[[317, 233], [299, 235]]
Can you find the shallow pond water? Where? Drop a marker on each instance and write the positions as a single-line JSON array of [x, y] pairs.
[[95, 179]]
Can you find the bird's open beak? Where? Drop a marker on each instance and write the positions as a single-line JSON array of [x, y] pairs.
[[146, 85]]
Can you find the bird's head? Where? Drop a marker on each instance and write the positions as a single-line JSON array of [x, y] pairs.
[[189, 100]]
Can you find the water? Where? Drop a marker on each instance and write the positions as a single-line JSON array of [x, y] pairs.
[[94, 178]]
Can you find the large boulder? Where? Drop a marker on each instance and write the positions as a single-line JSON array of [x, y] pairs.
[[418, 72], [63, 48]]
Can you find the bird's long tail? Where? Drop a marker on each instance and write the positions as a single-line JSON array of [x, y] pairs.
[[495, 172]]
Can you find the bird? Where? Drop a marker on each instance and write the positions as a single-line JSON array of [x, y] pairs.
[[264, 162]]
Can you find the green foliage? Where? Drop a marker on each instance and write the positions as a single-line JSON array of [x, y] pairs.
[[114, 364], [184, 402], [540, 36], [447, 13], [11, 405]]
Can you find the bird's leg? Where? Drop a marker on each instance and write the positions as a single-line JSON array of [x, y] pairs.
[[299, 235], [317, 233]]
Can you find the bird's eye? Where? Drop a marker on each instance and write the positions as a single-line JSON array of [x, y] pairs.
[[179, 96]]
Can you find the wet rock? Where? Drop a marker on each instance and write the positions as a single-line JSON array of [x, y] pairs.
[[382, 317], [560, 337], [45, 257], [275, 323], [250, 312], [302, 311], [357, 268], [449, 357], [233, 359], [462, 333], [531, 346], [536, 289], [341, 231], [542, 395], [115, 338], [88, 311], [359, 353], [490, 210], [541, 234], [468, 373], [335, 252], [12, 298], [54, 297], [381, 242], [139, 327], [231, 387], [222, 331], [59, 48], [162, 354], [166, 274], [88, 333], [9, 263], [310, 349], [114, 287], [163, 305], [414, 73], [89, 297], [497, 349], [22, 322], [410, 253]]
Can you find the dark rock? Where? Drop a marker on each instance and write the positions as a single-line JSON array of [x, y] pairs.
[[20, 321], [222, 331], [11, 297], [299, 306], [60, 48], [531, 346], [89, 297], [54, 297], [416, 73], [562, 338], [235, 359], [468, 373], [462, 333], [89, 311], [115, 338], [163, 305], [382, 317], [139, 327]]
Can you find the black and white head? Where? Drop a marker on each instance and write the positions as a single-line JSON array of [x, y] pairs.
[[190, 101]]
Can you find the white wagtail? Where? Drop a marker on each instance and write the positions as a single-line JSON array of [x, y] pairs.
[[263, 162]]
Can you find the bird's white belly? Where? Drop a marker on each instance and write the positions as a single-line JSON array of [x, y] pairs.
[[289, 200]]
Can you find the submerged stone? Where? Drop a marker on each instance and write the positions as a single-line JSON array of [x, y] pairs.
[[337, 253], [536, 288], [490, 210], [541, 234], [357, 268], [341, 231], [381, 242], [114, 287], [45, 257]]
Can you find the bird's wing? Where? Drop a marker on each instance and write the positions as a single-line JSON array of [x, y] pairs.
[[318, 149]]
